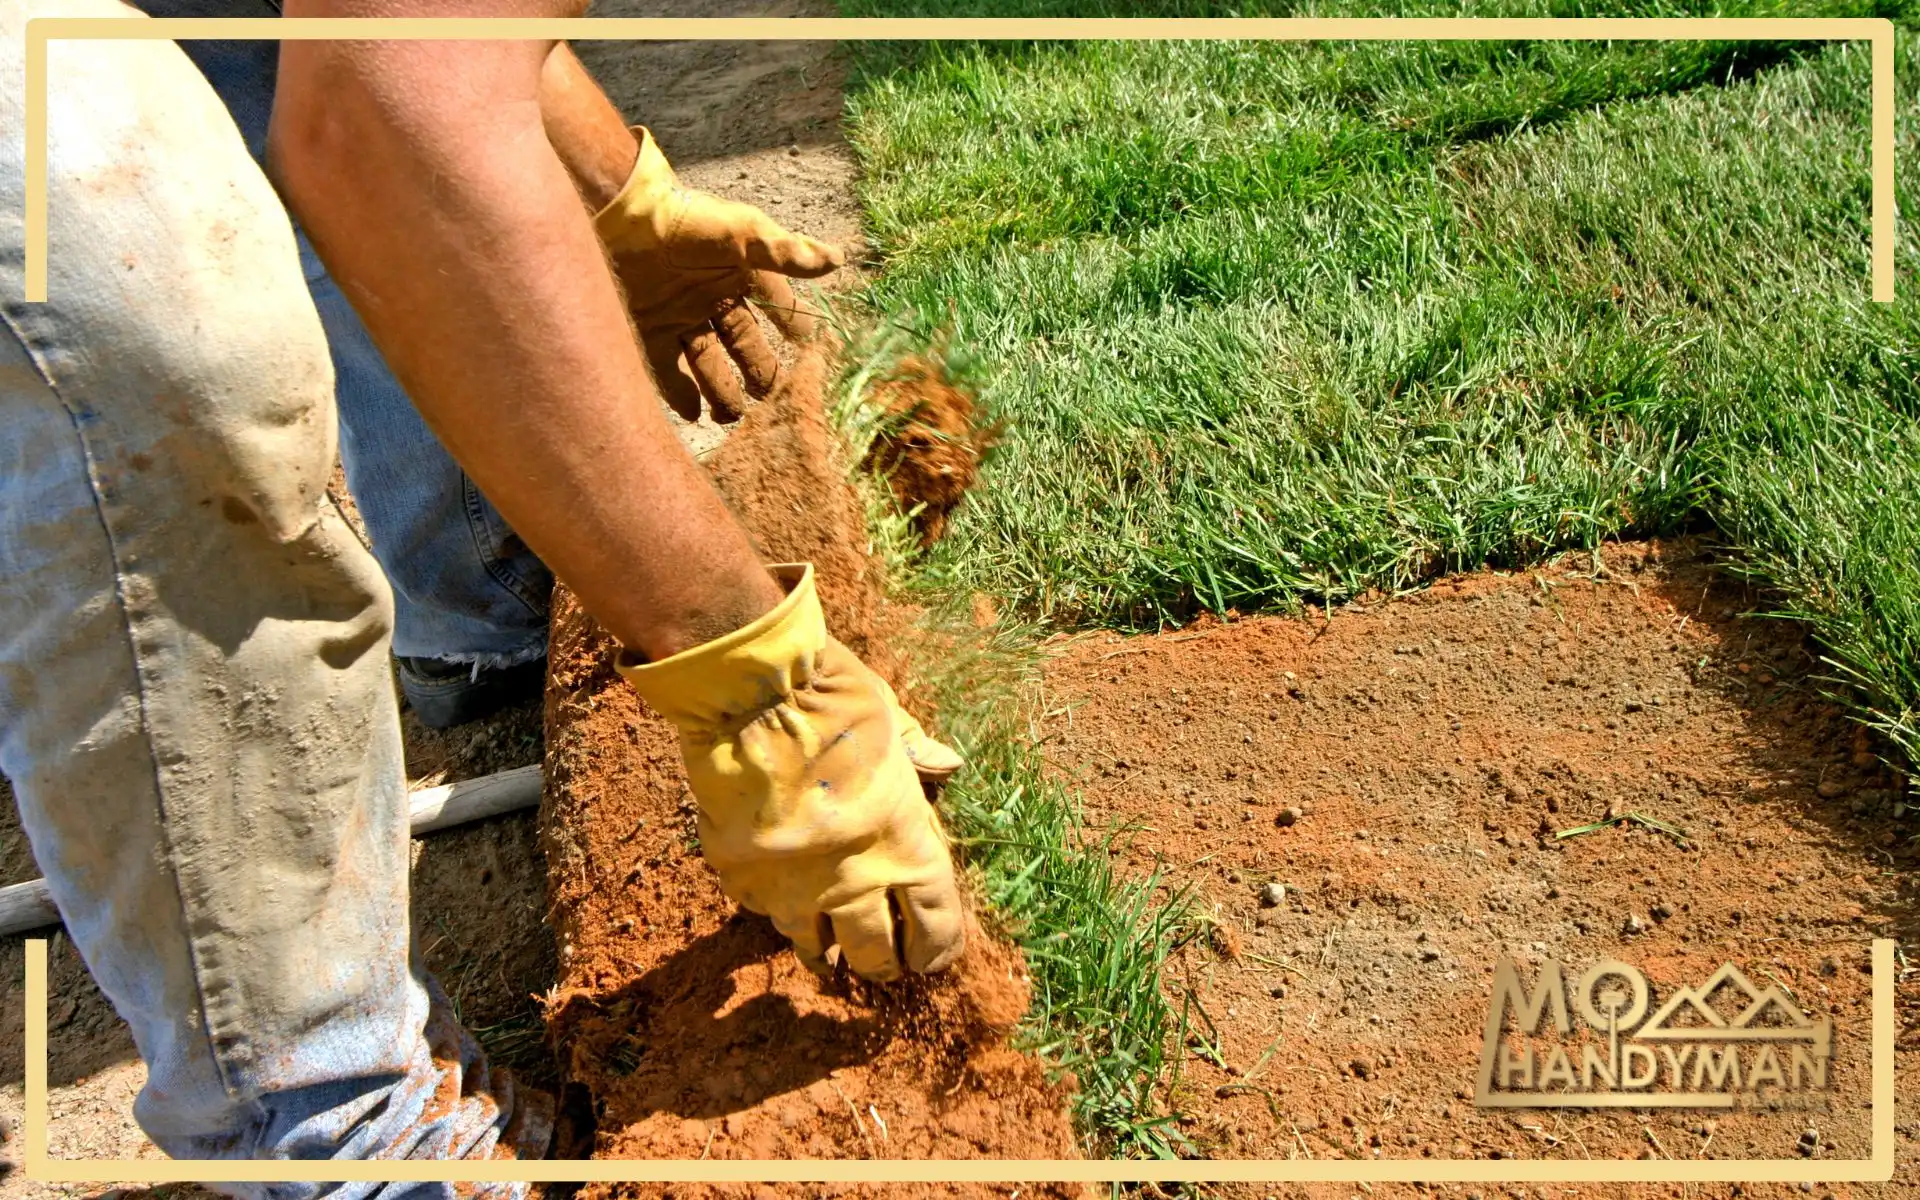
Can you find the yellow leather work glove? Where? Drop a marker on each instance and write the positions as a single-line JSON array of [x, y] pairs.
[[690, 263], [810, 809]]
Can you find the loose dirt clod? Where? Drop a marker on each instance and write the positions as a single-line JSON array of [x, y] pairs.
[[693, 1028], [931, 450]]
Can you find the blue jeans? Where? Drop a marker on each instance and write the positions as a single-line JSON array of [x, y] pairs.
[[466, 589], [196, 699]]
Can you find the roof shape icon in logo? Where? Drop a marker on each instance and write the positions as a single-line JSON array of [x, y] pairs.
[[1695, 1002]]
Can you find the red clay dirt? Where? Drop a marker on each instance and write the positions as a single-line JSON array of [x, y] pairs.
[[1401, 769], [692, 1028], [934, 441]]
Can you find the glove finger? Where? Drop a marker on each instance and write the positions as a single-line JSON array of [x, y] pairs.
[[708, 361], [933, 760], [748, 346], [864, 930], [936, 926], [773, 247], [670, 375], [773, 295], [810, 935]]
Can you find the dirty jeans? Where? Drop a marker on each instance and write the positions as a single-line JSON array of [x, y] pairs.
[[196, 707], [466, 589]]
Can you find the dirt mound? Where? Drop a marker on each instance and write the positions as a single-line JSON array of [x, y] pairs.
[[692, 1028], [933, 443], [1402, 769]]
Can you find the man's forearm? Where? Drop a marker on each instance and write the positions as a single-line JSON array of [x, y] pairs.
[[586, 130], [424, 175]]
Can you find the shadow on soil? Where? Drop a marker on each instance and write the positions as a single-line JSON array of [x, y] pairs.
[[643, 1037]]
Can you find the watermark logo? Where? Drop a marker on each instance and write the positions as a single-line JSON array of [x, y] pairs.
[[1724, 1044]]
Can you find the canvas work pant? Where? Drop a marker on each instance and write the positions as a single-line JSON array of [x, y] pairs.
[[466, 590], [196, 704]]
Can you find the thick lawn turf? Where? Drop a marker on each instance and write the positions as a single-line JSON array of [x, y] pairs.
[[1252, 348], [1276, 323]]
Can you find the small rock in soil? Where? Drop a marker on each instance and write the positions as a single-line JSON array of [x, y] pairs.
[[1287, 817], [1272, 895], [1632, 925]]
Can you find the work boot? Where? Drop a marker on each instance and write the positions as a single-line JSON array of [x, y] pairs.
[[444, 694]]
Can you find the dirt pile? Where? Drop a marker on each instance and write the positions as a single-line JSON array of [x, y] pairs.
[[1401, 772], [693, 1030]]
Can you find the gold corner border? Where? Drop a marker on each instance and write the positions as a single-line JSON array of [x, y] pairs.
[[1877, 30], [1877, 1168]]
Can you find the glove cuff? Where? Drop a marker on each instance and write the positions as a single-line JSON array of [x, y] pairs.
[[729, 681], [635, 220]]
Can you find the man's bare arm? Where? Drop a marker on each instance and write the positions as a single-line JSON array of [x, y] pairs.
[[424, 175], [587, 131]]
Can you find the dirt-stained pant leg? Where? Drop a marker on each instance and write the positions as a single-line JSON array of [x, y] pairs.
[[195, 701]]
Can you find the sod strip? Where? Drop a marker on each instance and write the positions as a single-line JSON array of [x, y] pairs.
[[1619, 324]]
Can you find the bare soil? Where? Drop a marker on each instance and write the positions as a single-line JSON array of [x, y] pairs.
[[1401, 770], [693, 1030]]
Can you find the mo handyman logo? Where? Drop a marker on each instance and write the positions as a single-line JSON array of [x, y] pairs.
[[1611, 1043]]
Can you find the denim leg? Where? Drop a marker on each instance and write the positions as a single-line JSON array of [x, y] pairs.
[[466, 589], [196, 709]]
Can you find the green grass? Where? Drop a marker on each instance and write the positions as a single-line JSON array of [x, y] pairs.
[[1509, 348], [1271, 323]]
